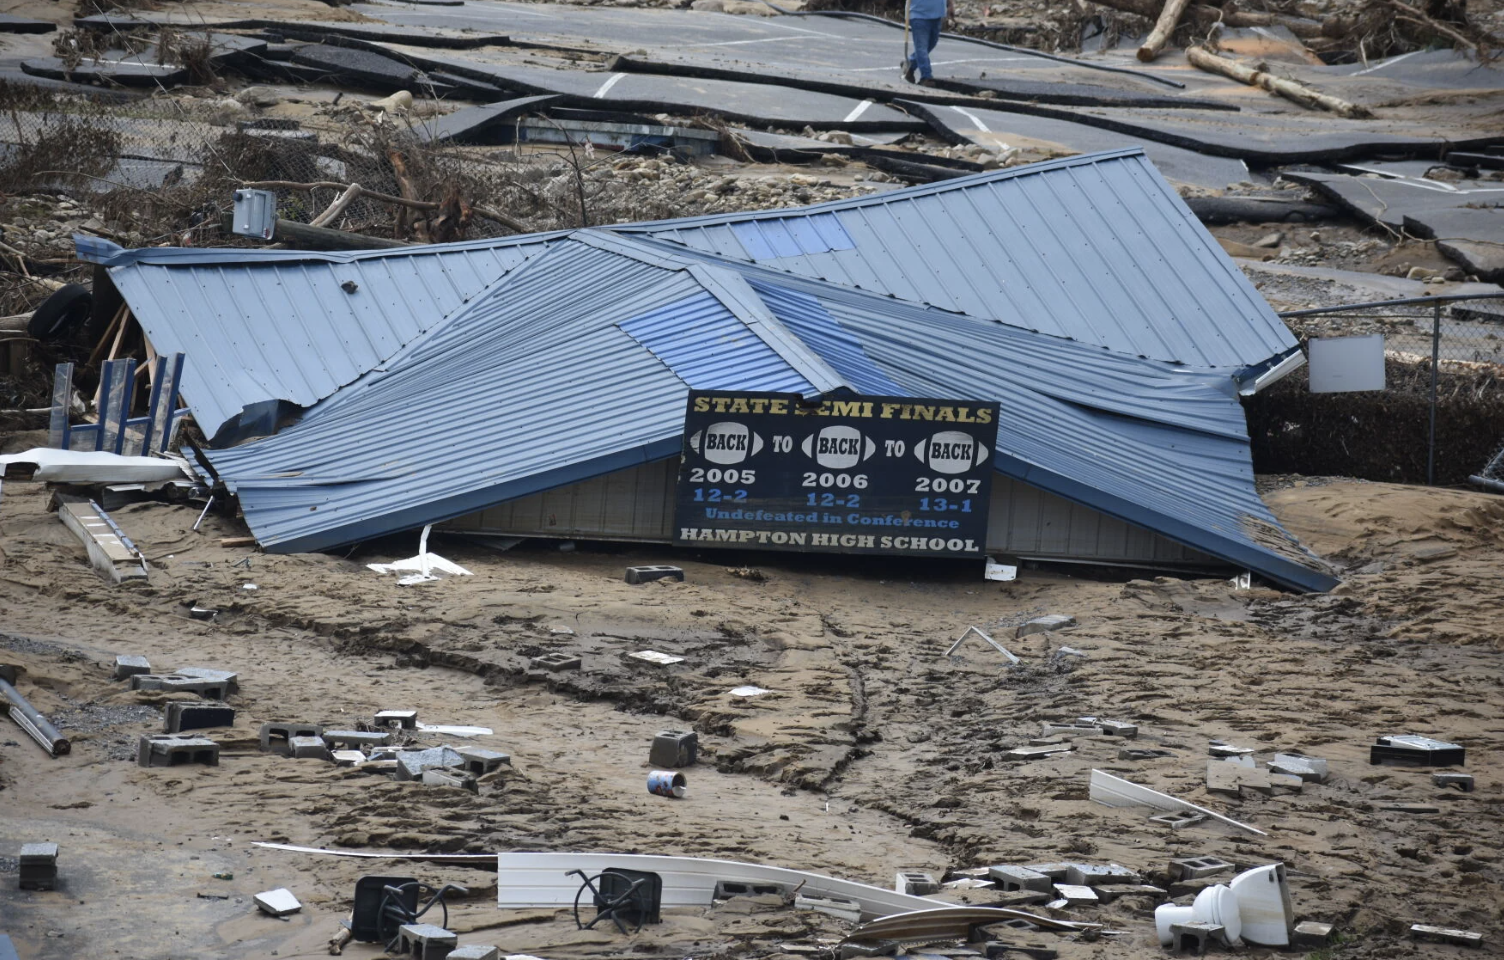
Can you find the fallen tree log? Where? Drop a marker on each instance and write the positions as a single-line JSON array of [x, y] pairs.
[[1203, 16], [1169, 19], [1204, 59]]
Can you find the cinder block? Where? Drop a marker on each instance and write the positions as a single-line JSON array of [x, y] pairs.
[[476, 951], [405, 719], [425, 941], [659, 572], [208, 689], [309, 748], [726, 889], [1009, 878], [412, 763], [1462, 781], [38, 866], [674, 748], [1047, 624], [171, 750], [449, 777], [838, 907], [276, 734], [478, 762], [1076, 893], [555, 662], [356, 738], [1094, 874], [1309, 933], [229, 679], [1055, 871], [1194, 936], [128, 665], [1306, 768], [1194, 868], [151, 681], [1113, 891], [1177, 819], [915, 883], [1117, 728], [197, 716]]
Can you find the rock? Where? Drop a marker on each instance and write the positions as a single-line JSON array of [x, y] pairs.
[[1270, 240], [709, 6]]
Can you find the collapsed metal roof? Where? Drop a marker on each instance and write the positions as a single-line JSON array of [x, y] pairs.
[[583, 356], [1096, 248]]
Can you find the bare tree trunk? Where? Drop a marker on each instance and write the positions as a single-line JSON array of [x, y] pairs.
[[1169, 19]]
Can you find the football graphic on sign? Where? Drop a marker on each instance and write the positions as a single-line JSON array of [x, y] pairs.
[[838, 448], [950, 452], [726, 442]]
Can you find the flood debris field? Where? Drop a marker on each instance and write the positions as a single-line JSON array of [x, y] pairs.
[[870, 753]]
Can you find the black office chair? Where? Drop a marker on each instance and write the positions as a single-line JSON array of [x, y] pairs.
[[618, 893]]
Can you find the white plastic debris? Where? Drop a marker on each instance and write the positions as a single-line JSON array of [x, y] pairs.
[[994, 644], [999, 571], [653, 656], [748, 691], [424, 568], [81, 466], [278, 903]]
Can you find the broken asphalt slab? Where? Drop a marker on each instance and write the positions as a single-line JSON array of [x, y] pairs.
[[1467, 222], [472, 124], [13, 24], [313, 31], [360, 68], [743, 102]]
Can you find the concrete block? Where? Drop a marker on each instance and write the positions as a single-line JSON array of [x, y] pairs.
[[1283, 783], [1219, 749], [276, 734], [1136, 753], [347, 758], [1194, 936], [229, 678], [412, 763], [1231, 778], [171, 750], [151, 681], [128, 665], [1306, 768], [1462, 781], [674, 748], [1010, 878], [38, 866], [478, 762], [309, 748], [197, 716], [449, 777], [1109, 892], [555, 662], [278, 903], [1093, 874], [837, 907], [1055, 871], [726, 889], [425, 941], [1309, 933], [1036, 753], [1047, 624], [405, 719], [1051, 728], [915, 883], [476, 951], [658, 572], [1194, 868], [1177, 819], [1117, 728], [1017, 899], [1073, 893], [356, 738], [1466, 938], [207, 688], [1190, 888]]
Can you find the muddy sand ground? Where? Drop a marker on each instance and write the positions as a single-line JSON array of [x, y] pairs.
[[872, 752]]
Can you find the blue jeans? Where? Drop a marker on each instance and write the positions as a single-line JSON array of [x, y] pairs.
[[926, 34]]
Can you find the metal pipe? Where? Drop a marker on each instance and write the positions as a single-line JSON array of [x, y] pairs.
[[35, 725], [1406, 302], [1435, 362]]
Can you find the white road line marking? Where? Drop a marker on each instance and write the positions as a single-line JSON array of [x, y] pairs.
[[857, 111], [614, 79], [1386, 63], [973, 118]]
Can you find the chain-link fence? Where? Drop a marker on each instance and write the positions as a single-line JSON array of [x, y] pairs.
[[1439, 419]]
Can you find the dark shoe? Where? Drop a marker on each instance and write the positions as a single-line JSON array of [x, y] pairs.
[[926, 81], [908, 71]]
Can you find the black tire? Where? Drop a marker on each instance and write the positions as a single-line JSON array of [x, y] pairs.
[[61, 314]]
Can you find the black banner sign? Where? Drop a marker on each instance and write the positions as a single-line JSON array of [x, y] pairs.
[[888, 475]]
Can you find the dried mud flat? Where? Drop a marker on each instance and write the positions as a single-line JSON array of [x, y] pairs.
[[872, 752]]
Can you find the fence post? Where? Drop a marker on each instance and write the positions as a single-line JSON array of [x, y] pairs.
[[1435, 359]]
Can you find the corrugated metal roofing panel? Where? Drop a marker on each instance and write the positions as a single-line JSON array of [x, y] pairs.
[[707, 347], [285, 328], [1096, 248], [567, 394]]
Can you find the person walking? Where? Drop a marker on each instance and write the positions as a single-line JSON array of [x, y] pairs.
[[925, 17]]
